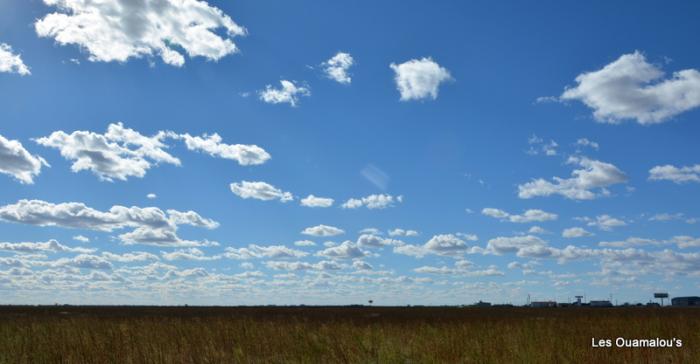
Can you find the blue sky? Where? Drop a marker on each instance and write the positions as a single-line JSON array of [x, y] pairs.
[[459, 141]]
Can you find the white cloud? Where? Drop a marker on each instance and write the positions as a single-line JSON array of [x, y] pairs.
[[369, 240], [245, 155], [152, 226], [260, 191], [629, 242], [403, 232], [532, 215], [575, 232], [129, 257], [81, 238], [380, 201], [502, 245], [537, 146], [323, 265], [594, 175], [685, 241], [446, 244], [630, 88], [361, 265], [289, 93], [314, 201], [419, 78], [346, 250], [663, 217], [604, 222], [18, 162], [118, 154], [254, 251], [151, 196], [337, 67], [188, 254], [10, 62], [434, 270], [373, 231], [675, 174], [323, 230], [461, 268], [584, 142], [119, 30], [83, 261], [304, 243], [537, 230], [49, 246]]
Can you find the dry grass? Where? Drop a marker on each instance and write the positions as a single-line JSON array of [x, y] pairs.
[[340, 335]]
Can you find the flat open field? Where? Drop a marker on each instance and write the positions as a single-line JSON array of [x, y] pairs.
[[60, 334]]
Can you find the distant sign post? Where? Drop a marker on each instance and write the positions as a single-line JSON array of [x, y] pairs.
[[661, 296]]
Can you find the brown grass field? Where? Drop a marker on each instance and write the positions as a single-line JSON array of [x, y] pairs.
[[72, 334]]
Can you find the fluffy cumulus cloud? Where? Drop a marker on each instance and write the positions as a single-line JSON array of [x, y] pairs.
[[49, 246], [446, 244], [630, 242], [419, 79], [314, 201], [17, 162], [260, 191], [374, 241], [532, 215], [461, 267], [130, 257], [537, 230], [245, 155], [380, 201], [81, 238], [323, 231], [586, 183], [304, 243], [675, 174], [403, 232], [630, 88], [337, 67], [324, 265], [83, 261], [254, 251], [603, 222], [122, 29], [501, 245], [120, 153], [288, 93], [575, 232], [151, 225], [346, 250], [443, 244], [11, 62]]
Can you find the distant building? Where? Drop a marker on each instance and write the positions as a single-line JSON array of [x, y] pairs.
[[685, 301], [601, 304], [539, 304]]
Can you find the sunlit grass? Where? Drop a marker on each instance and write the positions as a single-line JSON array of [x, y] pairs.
[[340, 335]]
